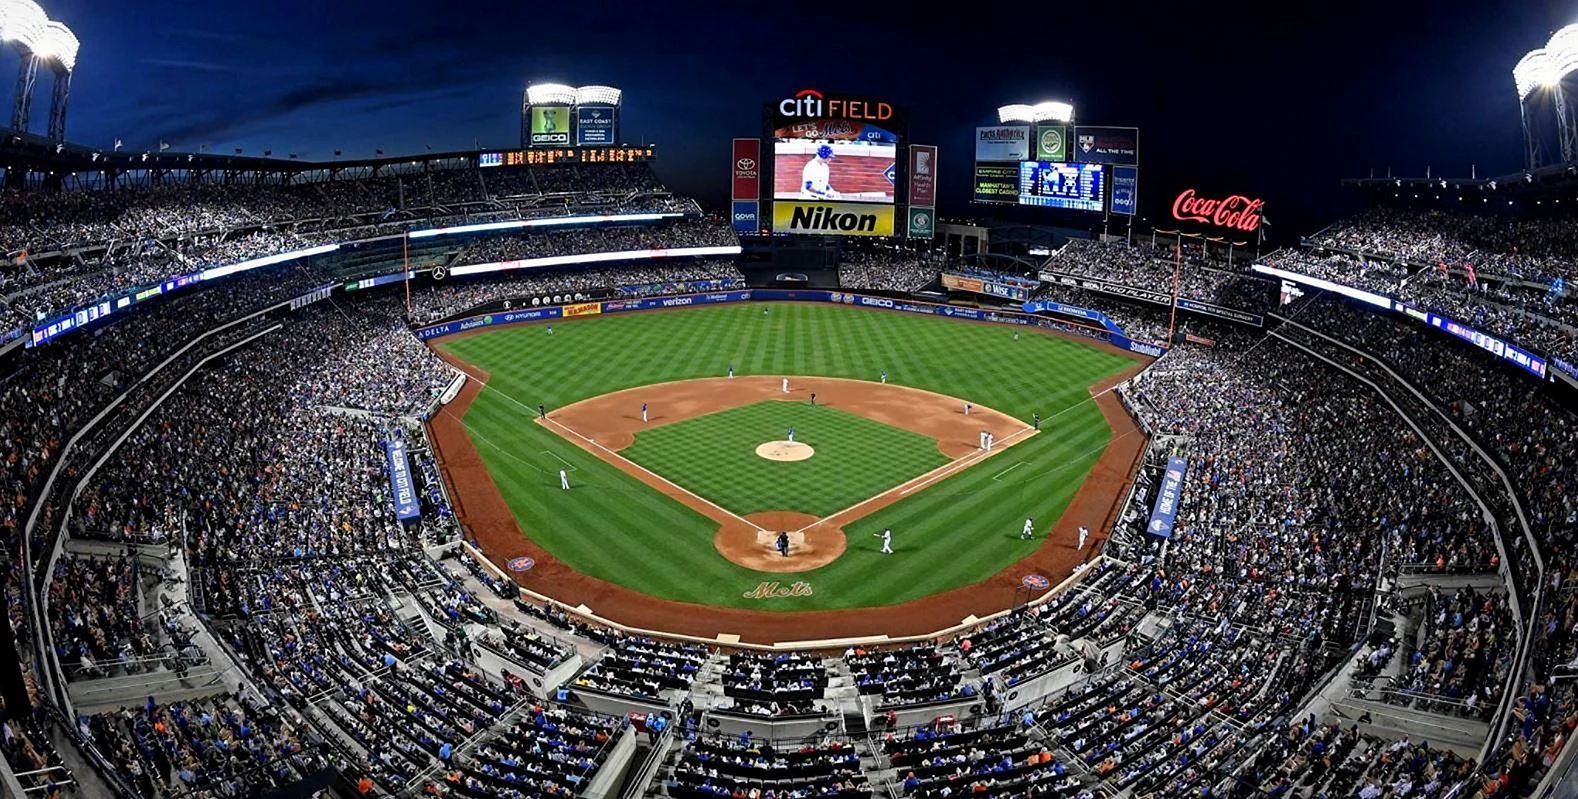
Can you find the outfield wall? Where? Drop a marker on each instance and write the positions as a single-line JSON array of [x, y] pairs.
[[854, 299]]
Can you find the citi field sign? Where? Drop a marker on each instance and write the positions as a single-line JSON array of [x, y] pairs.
[[812, 104], [1235, 212]]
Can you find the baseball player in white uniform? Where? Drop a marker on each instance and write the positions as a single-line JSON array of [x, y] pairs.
[[564, 480], [786, 385], [967, 409], [887, 542], [1029, 531], [1084, 533], [813, 178], [989, 439]]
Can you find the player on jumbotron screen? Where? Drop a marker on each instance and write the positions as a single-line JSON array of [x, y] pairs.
[[813, 179]]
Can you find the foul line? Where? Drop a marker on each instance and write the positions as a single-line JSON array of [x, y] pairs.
[[995, 477], [664, 480], [570, 467], [622, 459]]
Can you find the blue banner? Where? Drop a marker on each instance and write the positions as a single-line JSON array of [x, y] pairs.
[[594, 125], [1166, 509], [1073, 310], [747, 217], [1125, 189], [405, 504]]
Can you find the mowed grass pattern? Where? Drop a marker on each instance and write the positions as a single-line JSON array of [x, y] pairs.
[[957, 532], [714, 456]]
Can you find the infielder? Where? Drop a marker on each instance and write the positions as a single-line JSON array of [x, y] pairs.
[[1030, 529], [786, 385], [887, 541], [791, 434], [564, 480], [813, 179], [884, 377], [1084, 533], [643, 411], [731, 371], [813, 399], [989, 439], [967, 409]]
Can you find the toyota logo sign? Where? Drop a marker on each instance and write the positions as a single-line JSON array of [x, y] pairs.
[[745, 165]]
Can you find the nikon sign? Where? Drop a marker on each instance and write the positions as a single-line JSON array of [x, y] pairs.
[[833, 219]]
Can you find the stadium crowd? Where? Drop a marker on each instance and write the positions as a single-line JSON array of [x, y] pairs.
[[880, 269], [1161, 268]]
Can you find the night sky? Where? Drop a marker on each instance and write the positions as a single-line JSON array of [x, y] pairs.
[[1275, 99]]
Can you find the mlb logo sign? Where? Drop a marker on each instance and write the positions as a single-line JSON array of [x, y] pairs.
[[1087, 143]]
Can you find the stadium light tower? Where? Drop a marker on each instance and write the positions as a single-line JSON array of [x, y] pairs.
[[59, 51], [1563, 49], [1539, 78], [24, 25], [1047, 111]]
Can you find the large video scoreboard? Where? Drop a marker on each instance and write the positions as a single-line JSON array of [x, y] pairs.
[[1049, 165]]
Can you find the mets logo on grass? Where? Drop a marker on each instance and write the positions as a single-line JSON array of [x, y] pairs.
[[521, 564], [1036, 582], [833, 219], [777, 590]]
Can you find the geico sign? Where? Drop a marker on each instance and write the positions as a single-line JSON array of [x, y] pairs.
[[876, 302], [811, 104], [1236, 212]]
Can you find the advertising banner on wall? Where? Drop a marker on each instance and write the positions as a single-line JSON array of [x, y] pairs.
[[1125, 190], [1166, 510], [1100, 145], [923, 175], [747, 167], [997, 183], [594, 125], [401, 486], [747, 217], [923, 223], [832, 219], [1002, 143], [549, 126], [1051, 143]]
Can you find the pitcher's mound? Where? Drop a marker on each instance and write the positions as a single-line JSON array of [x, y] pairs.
[[785, 451], [811, 548]]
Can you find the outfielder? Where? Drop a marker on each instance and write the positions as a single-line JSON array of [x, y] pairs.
[[564, 480], [1030, 529], [813, 179], [887, 541]]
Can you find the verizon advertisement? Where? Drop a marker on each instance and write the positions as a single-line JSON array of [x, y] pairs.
[[923, 175], [747, 169]]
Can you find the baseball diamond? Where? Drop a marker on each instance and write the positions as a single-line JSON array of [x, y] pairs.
[[670, 508]]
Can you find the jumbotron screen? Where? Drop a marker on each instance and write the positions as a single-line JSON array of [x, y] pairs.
[[1048, 184], [846, 171]]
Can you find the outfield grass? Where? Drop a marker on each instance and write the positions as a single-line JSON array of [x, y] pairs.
[[714, 456], [960, 531]]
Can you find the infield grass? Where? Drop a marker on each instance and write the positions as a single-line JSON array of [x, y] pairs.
[[715, 456], [958, 531]]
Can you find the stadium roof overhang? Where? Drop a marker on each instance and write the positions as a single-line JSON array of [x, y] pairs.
[[1558, 182]]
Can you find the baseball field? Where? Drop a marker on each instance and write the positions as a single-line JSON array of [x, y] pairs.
[[687, 504]]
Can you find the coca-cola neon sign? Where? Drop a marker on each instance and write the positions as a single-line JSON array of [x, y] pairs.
[[1236, 212]]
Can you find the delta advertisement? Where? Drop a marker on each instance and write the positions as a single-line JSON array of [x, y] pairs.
[[1166, 510], [550, 126], [1002, 143], [832, 219], [1125, 190], [594, 125], [1099, 145], [400, 483]]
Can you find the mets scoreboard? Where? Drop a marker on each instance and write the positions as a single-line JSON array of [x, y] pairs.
[[833, 165], [1029, 160]]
